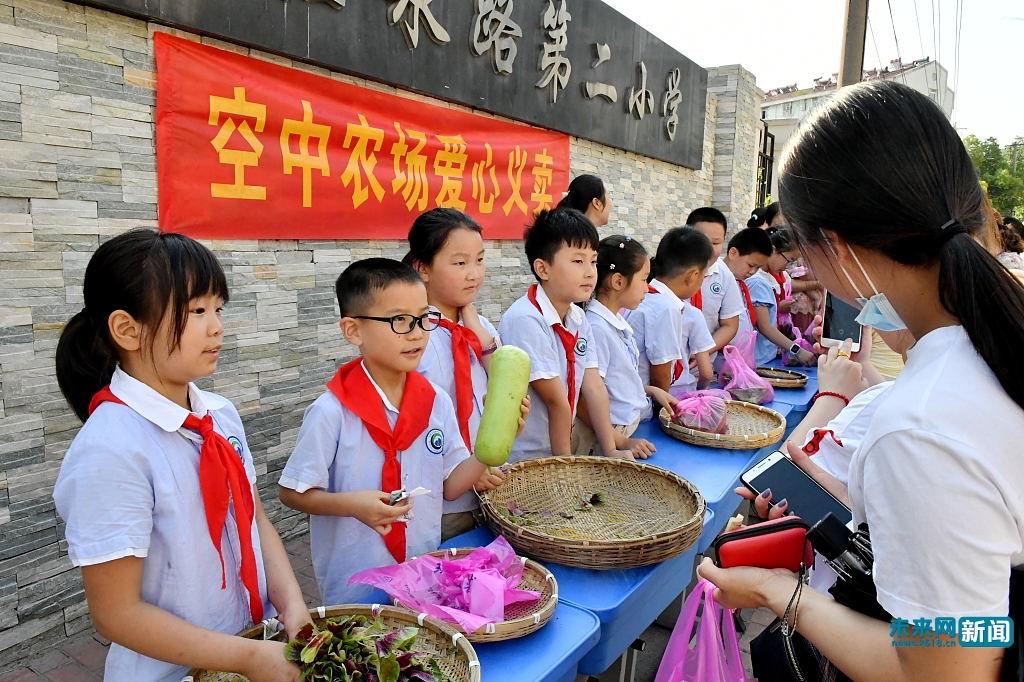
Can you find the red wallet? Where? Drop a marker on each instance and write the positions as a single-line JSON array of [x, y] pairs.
[[781, 543]]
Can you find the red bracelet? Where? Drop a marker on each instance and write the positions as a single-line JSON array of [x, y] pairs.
[[833, 394]]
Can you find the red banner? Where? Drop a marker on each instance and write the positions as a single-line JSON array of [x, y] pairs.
[[252, 150]]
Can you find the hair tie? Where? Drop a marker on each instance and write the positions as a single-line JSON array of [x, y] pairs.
[[950, 229], [612, 266], [622, 245]]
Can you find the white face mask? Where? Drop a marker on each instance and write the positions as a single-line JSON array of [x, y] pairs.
[[876, 311]]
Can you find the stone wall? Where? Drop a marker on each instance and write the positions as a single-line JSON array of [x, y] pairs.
[[77, 166], [737, 115]]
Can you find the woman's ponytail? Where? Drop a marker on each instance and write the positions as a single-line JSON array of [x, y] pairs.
[[85, 362], [989, 302]]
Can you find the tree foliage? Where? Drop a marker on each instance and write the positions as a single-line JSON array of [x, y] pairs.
[[995, 167]]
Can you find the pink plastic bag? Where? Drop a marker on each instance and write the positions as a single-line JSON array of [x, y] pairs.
[[715, 656], [704, 410], [745, 343], [802, 340], [472, 591], [744, 383]]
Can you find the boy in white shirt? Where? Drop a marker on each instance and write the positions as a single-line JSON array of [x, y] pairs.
[[680, 263], [719, 297], [561, 246], [749, 250], [356, 447]]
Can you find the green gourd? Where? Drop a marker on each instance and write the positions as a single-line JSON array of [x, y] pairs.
[[509, 379]]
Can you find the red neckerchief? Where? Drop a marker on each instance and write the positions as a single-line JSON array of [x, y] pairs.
[[352, 387], [222, 478], [814, 444], [677, 368], [568, 344], [697, 300], [745, 290], [780, 295], [463, 340]]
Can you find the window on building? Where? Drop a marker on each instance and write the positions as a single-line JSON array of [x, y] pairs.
[[787, 109]]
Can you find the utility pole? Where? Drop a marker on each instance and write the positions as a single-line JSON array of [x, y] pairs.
[[855, 31]]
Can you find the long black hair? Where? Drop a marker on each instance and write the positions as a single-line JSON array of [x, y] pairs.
[[880, 166], [782, 238], [619, 254], [582, 191], [430, 232], [763, 215], [146, 274]]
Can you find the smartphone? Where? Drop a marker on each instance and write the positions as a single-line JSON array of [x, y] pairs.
[[840, 323], [807, 499]]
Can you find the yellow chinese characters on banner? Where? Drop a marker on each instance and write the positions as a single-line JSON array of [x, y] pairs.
[[247, 148]]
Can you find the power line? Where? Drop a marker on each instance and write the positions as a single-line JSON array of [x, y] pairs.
[[935, 52], [956, 72], [898, 54], [875, 42], [917, 16]]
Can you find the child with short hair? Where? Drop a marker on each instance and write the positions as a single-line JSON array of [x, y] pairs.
[[719, 297], [381, 427], [561, 246], [446, 248], [158, 489], [766, 294], [664, 318], [622, 269], [748, 251]]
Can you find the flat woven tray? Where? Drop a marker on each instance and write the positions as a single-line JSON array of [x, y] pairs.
[[750, 427], [521, 618], [451, 649], [649, 514], [782, 378]]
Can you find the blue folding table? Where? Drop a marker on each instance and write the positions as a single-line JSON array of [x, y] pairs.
[[799, 398]]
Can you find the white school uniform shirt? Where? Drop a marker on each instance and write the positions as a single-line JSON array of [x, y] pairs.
[[617, 358], [692, 335], [129, 486], [438, 365], [720, 297], [335, 452], [849, 428], [940, 481], [656, 327], [525, 327]]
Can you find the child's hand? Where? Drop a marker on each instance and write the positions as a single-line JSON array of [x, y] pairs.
[[640, 447], [372, 509], [489, 480], [621, 454], [293, 617], [663, 398], [693, 361], [268, 664], [525, 409]]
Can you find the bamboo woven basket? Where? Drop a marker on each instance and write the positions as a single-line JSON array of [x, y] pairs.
[[452, 650], [649, 515], [521, 618], [782, 378], [750, 427]]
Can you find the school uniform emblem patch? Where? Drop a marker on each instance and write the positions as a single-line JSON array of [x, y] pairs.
[[716, 288], [435, 441], [581, 347], [236, 444]]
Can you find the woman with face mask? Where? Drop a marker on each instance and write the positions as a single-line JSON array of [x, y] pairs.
[[884, 200]]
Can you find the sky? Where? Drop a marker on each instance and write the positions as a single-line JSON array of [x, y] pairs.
[[794, 41]]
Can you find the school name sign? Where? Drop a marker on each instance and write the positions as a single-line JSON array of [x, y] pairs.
[[253, 150]]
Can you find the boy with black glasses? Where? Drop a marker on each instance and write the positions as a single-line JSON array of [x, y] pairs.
[[381, 427]]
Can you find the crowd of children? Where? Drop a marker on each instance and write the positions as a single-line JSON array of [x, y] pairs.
[[613, 336]]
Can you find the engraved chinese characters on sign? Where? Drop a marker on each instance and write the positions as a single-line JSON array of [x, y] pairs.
[[670, 107], [553, 62], [494, 30], [411, 25], [606, 90], [641, 101], [367, 162]]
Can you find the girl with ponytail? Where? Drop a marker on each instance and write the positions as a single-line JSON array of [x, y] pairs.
[[158, 489], [886, 205]]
